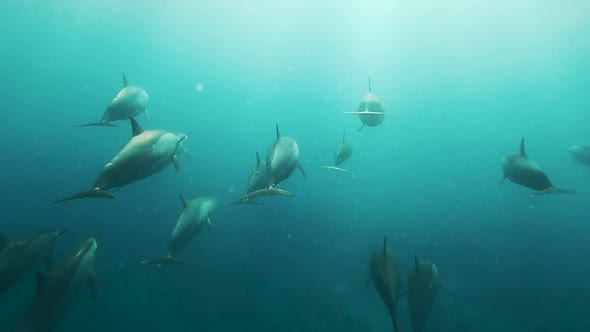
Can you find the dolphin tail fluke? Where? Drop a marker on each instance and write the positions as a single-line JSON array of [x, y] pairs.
[[557, 191], [92, 193], [166, 260], [98, 124], [335, 168]]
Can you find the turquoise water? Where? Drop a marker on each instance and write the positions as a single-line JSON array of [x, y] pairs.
[[462, 82]]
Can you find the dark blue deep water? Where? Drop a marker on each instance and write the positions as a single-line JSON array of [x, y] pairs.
[[462, 82]]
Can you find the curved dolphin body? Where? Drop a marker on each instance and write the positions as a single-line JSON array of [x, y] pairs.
[[370, 111], [341, 154], [130, 102], [423, 286], [519, 169], [385, 273], [193, 217], [21, 257], [580, 153], [57, 289], [282, 158], [147, 153]]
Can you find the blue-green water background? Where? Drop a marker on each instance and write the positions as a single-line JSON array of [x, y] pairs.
[[462, 82]]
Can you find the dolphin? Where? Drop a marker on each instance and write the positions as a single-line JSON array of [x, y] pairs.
[[282, 158], [520, 169], [385, 274], [57, 289], [146, 153], [22, 256], [259, 185], [129, 102], [342, 154], [423, 286], [370, 111], [192, 218], [580, 153]]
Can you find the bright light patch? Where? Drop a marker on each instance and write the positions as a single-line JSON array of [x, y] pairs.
[[199, 87]]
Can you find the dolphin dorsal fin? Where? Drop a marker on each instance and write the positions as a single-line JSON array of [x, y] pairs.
[[41, 278], [278, 132], [4, 241], [384, 245], [257, 160], [135, 128], [183, 201], [125, 84], [369, 83], [522, 149]]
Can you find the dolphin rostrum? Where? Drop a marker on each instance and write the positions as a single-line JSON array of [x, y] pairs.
[[57, 289], [342, 154], [282, 158], [370, 111], [146, 153], [385, 274], [194, 215], [129, 102], [520, 169], [423, 286], [580, 153], [22, 256]]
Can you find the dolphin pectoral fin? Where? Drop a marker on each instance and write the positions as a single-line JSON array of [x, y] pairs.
[[301, 169], [136, 129], [98, 124], [209, 223], [176, 164], [364, 113], [92, 193], [446, 290], [557, 191], [147, 114], [363, 126], [92, 284], [166, 260], [335, 168], [183, 201], [4, 241], [502, 180], [41, 279]]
